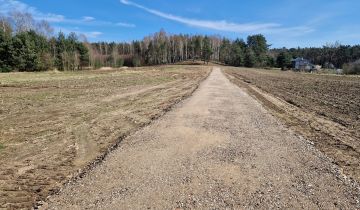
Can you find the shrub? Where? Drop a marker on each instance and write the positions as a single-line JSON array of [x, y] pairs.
[[132, 61], [283, 61], [136, 61], [352, 68], [97, 63], [5, 69], [119, 62]]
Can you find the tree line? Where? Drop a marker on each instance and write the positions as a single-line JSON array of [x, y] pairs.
[[159, 48], [29, 45], [329, 56], [162, 48]]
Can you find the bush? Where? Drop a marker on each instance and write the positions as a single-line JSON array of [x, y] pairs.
[[97, 64], [132, 61], [352, 68], [136, 62], [119, 62], [5, 68], [283, 61]]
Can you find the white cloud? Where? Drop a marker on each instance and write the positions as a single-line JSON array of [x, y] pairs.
[[223, 25], [88, 18], [128, 25], [93, 34], [8, 6]]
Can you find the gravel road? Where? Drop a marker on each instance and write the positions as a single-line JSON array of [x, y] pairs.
[[218, 149]]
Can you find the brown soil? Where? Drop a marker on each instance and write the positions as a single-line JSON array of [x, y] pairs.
[[219, 149], [53, 124], [323, 108]]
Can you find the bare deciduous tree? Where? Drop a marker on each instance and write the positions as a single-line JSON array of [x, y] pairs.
[[22, 21], [43, 27]]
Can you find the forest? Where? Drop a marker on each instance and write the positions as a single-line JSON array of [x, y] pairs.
[[30, 45], [329, 56]]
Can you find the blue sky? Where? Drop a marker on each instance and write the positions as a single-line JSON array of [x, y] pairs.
[[286, 23]]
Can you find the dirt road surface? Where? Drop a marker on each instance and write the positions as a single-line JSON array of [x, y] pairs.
[[218, 149]]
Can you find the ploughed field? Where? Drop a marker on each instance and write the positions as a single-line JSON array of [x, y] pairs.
[[53, 124], [323, 108]]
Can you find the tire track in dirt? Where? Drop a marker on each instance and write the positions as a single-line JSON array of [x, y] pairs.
[[218, 149]]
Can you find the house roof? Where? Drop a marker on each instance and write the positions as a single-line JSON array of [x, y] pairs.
[[300, 59]]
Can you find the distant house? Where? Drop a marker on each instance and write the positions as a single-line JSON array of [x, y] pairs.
[[301, 64]]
